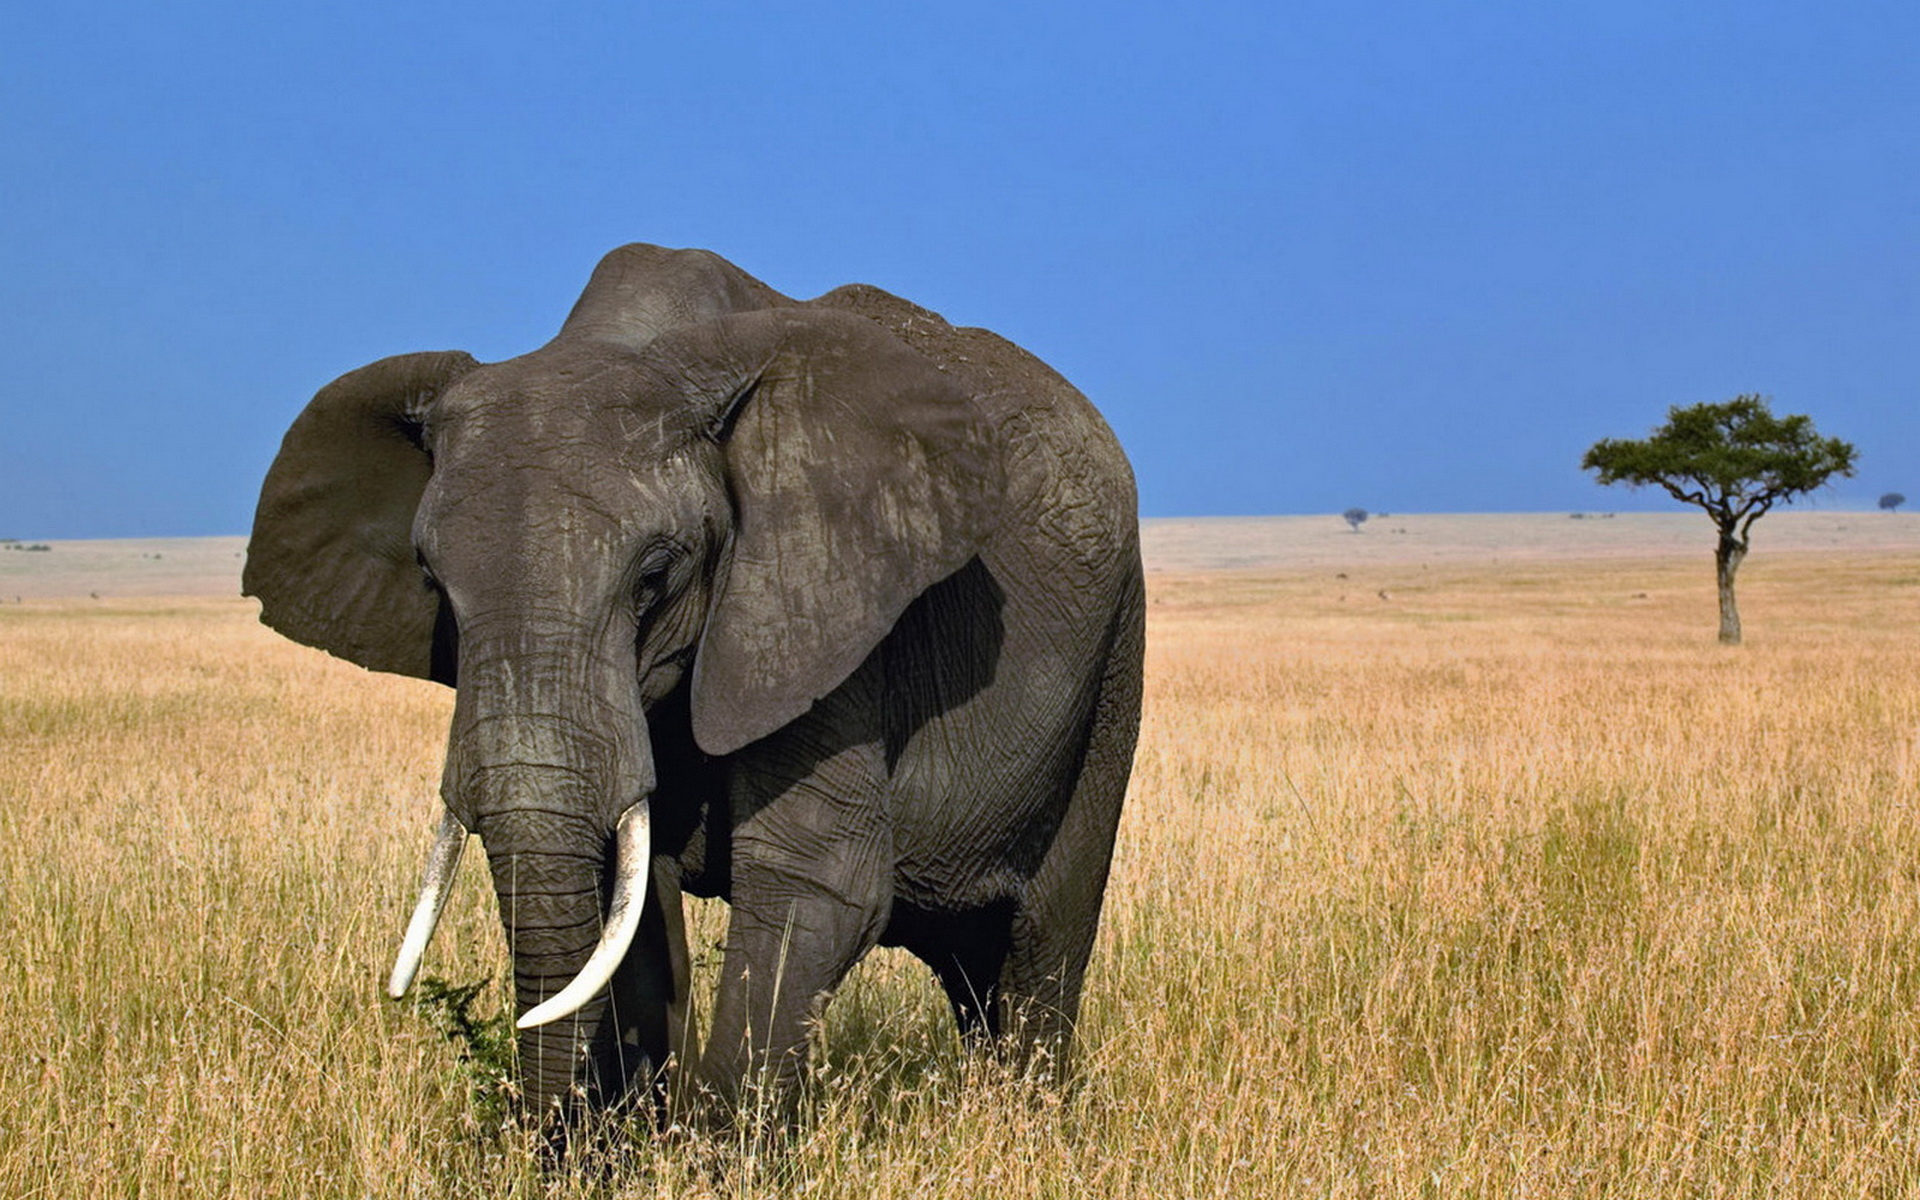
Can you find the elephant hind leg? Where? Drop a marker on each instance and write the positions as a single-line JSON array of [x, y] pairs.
[[1053, 929]]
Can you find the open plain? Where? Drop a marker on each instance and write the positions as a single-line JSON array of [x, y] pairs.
[[1459, 862]]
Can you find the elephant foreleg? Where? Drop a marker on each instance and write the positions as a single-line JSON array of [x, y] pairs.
[[812, 886], [651, 1015]]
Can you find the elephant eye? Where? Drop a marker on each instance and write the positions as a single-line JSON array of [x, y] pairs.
[[654, 571]]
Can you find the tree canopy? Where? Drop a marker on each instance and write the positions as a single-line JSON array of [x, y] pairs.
[[1735, 459]]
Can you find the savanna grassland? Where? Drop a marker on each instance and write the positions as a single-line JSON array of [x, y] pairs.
[[1505, 882]]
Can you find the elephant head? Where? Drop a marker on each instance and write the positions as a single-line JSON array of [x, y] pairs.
[[698, 489]]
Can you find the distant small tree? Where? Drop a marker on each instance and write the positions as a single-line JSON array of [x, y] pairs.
[[1892, 501], [1355, 517], [1736, 460]]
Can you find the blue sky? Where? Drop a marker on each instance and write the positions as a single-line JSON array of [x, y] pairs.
[[1410, 256]]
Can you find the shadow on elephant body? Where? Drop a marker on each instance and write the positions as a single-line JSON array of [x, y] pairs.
[[943, 651]]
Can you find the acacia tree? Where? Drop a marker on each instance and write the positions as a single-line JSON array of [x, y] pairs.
[[1355, 517], [1892, 501], [1736, 460]]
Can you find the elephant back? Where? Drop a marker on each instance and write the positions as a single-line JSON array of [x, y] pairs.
[[1071, 501]]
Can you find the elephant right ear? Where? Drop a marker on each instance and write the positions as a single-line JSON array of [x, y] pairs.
[[331, 557]]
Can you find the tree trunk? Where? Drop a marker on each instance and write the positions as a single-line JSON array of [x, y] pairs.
[[1726, 561]]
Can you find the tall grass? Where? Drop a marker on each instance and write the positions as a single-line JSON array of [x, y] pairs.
[[1508, 883]]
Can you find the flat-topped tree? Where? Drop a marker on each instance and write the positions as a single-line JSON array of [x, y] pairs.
[[1736, 460]]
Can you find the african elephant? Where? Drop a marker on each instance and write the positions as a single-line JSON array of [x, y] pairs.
[[826, 607]]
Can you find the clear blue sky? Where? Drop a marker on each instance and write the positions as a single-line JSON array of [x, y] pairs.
[[1410, 256]]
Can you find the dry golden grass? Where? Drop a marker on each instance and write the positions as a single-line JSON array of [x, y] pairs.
[[1511, 883]]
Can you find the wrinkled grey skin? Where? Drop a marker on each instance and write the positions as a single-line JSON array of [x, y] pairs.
[[852, 595]]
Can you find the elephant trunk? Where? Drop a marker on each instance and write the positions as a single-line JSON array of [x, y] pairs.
[[550, 756], [549, 884], [633, 852]]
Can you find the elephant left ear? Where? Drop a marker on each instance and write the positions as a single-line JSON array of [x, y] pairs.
[[862, 475]]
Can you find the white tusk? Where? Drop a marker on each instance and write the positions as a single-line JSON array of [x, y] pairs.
[[442, 862], [632, 856]]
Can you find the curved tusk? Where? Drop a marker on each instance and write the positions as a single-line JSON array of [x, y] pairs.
[[442, 862], [632, 856]]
